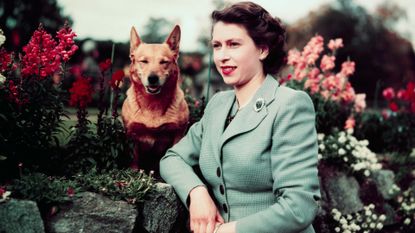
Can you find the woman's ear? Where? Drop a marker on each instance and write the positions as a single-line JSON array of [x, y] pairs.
[[264, 51]]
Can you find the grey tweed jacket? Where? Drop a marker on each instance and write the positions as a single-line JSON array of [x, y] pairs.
[[261, 169]]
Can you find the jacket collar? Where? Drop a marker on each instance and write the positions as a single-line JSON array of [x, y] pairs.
[[247, 118]]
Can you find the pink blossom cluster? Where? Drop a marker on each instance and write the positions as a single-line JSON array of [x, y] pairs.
[[321, 78], [43, 55]]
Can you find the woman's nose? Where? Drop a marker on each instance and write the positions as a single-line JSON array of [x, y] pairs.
[[221, 54]]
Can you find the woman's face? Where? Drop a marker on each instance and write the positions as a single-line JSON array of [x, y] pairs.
[[235, 54]]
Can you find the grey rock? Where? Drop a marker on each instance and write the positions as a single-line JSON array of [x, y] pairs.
[[94, 213], [163, 212], [384, 180], [390, 214], [340, 191], [20, 216]]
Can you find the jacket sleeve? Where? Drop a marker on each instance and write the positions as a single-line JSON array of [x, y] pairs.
[[176, 165], [294, 170]]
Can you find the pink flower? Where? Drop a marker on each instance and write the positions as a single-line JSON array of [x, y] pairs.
[[313, 49], [385, 114], [294, 57], [348, 68], [388, 93], [335, 44], [401, 94], [327, 62], [360, 103], [2, 191], [70, 192], [350, 123]]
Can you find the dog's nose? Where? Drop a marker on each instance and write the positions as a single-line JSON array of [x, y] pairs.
[[153, 79]]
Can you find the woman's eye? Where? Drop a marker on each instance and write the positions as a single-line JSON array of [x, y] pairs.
[[164, 62], [216, 46], [234, 44], [143, 61]]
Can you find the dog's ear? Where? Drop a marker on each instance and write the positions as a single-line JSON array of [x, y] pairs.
[[134, 40], [173, 40]]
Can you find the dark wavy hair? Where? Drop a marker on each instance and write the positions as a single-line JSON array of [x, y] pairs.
[[264, 30]]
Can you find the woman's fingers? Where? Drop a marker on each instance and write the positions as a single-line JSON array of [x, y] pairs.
[[219, 218]]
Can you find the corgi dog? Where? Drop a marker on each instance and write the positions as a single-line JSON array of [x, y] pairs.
[[155, 113]]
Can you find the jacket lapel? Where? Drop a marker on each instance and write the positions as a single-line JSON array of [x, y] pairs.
[[248, 118], [220, 112]]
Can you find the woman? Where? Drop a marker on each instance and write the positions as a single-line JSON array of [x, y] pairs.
[[256, 145]]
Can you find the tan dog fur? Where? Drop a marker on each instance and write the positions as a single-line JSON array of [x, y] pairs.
[[155, 113]]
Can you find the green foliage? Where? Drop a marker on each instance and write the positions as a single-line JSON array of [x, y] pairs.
[[128, 185], [43, 189], [196, 108], [112, 144], [29, 130], [394, 133]]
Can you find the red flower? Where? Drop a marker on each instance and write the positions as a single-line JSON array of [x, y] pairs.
[[5, 60], [43, 55], [105, 65], [393, 107], [66, 47], [81, 92], [117, 78], [410, 92], [388, 93], [70, 191]]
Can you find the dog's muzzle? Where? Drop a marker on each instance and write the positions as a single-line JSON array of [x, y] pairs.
[[153, 86]]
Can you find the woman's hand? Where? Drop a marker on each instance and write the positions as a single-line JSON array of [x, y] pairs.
[[203, 212], [229, 227]]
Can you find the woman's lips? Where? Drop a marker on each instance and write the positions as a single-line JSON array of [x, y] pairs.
[[227, 70]]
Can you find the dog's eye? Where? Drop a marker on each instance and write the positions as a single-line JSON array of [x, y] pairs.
[[143, 61], [164, 62]]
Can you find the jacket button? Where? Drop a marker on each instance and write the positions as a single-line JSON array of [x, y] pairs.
[[218, 172], [225, 208], [221, 189]]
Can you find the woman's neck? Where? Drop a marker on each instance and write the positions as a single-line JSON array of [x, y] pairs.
[[244, 93]]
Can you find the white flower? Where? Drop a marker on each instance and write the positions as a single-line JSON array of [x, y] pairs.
[[407, 221], [349, 131], [372, 225], [337, 229], [2, 79], [367, 173], [379, 226], [319, 156], [382, 217], [413, 152], [345, 159], [320, 136], [342, 139], [2, 39], [341, 151], [322, 147]]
